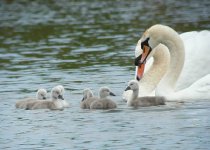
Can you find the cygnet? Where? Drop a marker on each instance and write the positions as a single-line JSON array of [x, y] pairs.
[[64, 102], [55, 103], [88, 98], [146, 101], [41, 94], [104, 102]]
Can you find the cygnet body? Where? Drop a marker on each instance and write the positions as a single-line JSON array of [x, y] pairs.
[[104, 102], [55, 103], [41, 94], [146, 101], [64, 102], [88, 98]]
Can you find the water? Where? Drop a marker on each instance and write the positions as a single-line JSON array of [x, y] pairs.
[[83, 44]]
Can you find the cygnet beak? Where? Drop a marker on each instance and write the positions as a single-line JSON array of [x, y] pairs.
[[112, 94], [60, 97], [83, 99], [128, 88]]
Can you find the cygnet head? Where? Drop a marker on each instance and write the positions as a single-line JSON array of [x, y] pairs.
[[104, 92], [62, 89], [87, 93], [41, 94], [132, 85], [56, 93]]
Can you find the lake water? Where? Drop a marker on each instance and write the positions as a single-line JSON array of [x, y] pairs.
[[81, 44]]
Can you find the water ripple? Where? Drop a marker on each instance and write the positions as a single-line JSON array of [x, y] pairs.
[[82, 44]]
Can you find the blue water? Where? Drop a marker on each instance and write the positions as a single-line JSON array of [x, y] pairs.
[[81, 44]]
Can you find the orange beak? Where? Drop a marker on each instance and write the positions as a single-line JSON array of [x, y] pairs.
[[141, 61], [140, 71], [146, 51]]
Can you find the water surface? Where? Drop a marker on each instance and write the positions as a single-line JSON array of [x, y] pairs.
[[82, 44]]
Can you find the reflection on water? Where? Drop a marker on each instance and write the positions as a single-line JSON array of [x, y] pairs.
[[83, 44]]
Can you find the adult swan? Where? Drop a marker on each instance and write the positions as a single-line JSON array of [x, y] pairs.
[[188, 74]]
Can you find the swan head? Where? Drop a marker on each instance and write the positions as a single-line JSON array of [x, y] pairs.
[[41, 94], [104, 92], [56, 93], [61, 88], [87, 93], [132, 85], [146, 48]]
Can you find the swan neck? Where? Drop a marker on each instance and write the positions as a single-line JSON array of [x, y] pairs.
[[177, 55], [135, 94], [102, 96], [54, 98], [156, 72]]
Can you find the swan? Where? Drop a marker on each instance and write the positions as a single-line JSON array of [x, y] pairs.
[[88, 98], [104, 102], [187, 77], [41, 94], [156, 65], [65, 103], [142, 101], [55, 103]]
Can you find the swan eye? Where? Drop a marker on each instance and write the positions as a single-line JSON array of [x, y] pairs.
[[145, 42]]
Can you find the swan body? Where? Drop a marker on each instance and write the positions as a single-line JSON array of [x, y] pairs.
[[88, 98], [104, 102], [64, 102], [198, 90], [40, 95], [197, 48], [55, 103], [186, 78], [136, 101]]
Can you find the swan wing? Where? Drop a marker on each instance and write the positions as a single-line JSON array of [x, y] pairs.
[[199, 90], [202, 85], [197, 49]]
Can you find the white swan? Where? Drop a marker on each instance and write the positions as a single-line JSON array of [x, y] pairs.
[[88, 98], [136, 101], [194, 81], [55, 103], [41, 94], [65, 103], [104, 102]]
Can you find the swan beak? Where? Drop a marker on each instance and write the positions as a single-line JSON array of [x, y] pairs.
[[112, 94], [146, 52], [140, 71], [60, 97], [128, 88], [141, 61]]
